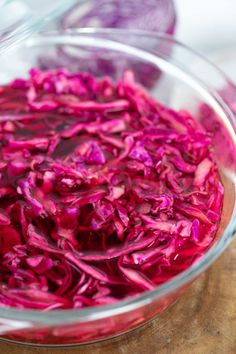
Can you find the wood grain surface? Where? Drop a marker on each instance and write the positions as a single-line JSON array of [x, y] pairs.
[[203, 321]]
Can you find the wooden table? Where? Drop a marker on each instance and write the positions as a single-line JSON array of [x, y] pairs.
[[203, 321]]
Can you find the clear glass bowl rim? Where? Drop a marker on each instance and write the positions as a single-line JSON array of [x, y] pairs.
[[63, 317]]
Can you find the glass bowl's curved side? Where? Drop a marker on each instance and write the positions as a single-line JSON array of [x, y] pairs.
[[180, 79]]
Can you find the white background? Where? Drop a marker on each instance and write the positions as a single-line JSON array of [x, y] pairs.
[[207, 25]]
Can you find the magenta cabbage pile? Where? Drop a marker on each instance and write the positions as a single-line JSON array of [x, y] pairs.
[[104, 192]]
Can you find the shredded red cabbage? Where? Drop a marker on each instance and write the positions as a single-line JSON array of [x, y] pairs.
[[153, 15], [104, 192]]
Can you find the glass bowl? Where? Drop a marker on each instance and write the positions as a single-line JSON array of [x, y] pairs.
[[225, 59], [176, 76]]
